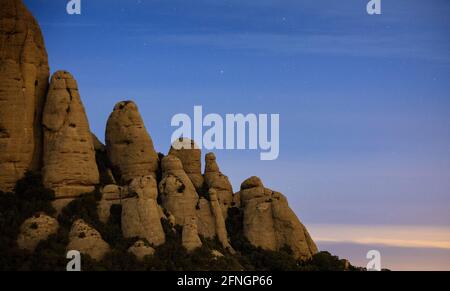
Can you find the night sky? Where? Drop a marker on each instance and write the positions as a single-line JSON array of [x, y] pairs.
[[364, 101]]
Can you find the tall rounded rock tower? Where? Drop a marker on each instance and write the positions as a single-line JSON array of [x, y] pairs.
[[24, 74], [129, 146], [69, 156]]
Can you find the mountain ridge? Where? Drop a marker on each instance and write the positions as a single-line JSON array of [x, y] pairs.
[[123, 201]]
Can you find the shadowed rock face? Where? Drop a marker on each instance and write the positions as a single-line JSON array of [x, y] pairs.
[[190, 156], [270, 223], [69, 156], [111, 195], [128, 144], [24, 76]]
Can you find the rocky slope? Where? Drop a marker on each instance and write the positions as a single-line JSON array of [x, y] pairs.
[[46, 129]]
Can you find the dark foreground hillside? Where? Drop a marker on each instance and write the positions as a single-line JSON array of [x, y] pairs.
[[30, 197]]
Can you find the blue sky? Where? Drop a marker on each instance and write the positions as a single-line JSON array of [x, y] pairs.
[[364, 101]]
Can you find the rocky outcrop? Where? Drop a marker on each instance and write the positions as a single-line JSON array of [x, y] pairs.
[[289, 230], [87, 240], [214, 179], [24, 76], [36, 229], [269, 222], [140, 213], [206, 223], [177, 192], [111, 195], [44, 127], [219, 220], [129, 146], [189, 238], [69, 166], [141, 250], [190, 156]]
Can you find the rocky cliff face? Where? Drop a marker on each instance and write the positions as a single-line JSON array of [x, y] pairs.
[[24, 76], [148, 191], [69, 166]]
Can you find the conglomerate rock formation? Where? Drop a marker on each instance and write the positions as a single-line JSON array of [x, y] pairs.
[[87, 240], [214, 179], [270, 223], [36, 229], [191, 158], [129, 146], [140, 214], [153, 192], [178, 194], [24, 74], [69, 165]]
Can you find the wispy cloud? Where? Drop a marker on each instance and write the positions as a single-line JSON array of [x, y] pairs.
[[68, 24], [394, 236], [356, 45]]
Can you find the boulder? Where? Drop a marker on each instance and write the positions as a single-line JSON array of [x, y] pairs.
[[36, 229], [190, 156], [140, 213], [87, 241], [140, 250], [24, 73], [69, 166], [190, 239], [129, 146], [270, 223]]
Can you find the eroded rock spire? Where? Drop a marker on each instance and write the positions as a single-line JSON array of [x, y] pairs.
[[69, 165], [24, 74], [129, 146]]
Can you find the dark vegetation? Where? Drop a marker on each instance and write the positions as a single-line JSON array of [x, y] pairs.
[[31, 197]]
